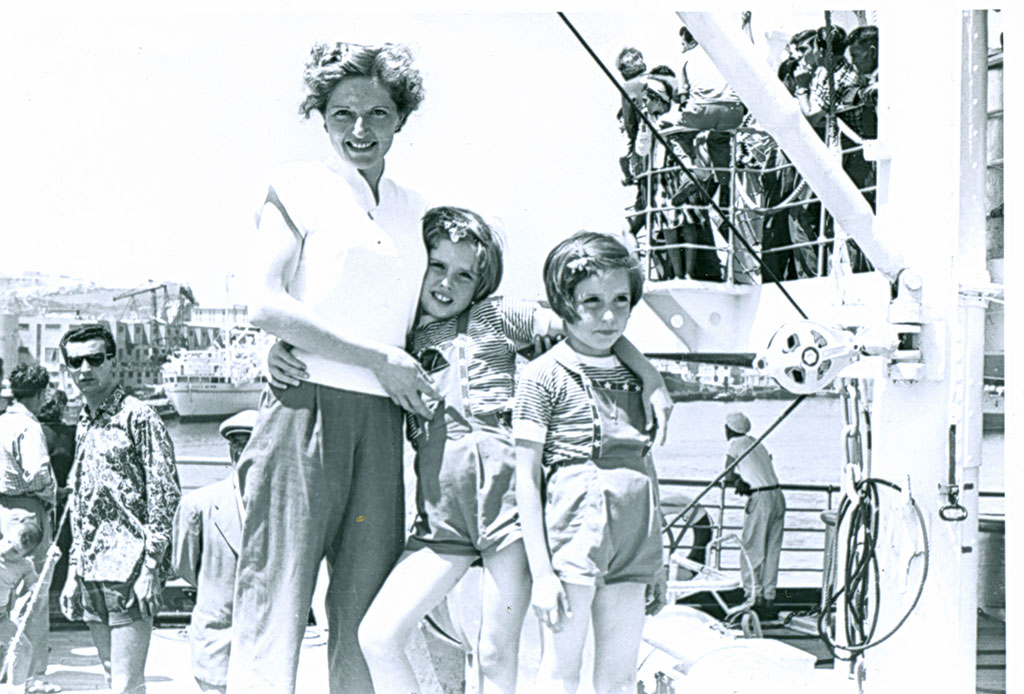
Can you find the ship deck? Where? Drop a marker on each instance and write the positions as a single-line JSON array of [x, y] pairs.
[[75, 666]]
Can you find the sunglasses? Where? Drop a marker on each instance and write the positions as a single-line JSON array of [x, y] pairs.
[[93, 359]]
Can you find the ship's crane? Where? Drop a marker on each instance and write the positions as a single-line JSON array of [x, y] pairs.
[[174, 337]]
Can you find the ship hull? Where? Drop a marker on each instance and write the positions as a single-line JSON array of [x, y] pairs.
[[209, 400]]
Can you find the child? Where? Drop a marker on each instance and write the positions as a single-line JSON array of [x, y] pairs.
[[465, 456], [593, 536], [17, 578]]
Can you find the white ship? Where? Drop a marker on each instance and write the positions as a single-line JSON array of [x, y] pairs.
[[223, 379]]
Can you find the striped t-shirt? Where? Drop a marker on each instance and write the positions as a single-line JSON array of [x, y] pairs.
[[552, 407], [497, 328]]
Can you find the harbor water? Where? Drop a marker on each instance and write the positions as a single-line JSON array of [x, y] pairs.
[[806, 449], [806, 446]]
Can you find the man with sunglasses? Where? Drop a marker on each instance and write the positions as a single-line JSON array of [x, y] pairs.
[[125, 491]]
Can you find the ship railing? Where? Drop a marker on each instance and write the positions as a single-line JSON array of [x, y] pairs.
[[805, 535], [804, 539], [744, 208], [803, 548]]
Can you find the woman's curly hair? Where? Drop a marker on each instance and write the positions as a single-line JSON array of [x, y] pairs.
[[390, 63]]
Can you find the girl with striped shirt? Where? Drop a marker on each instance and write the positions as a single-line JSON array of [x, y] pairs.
[[586, 487]]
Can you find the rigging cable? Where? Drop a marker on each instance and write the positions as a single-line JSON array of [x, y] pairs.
[[684, 168], [861, 573]]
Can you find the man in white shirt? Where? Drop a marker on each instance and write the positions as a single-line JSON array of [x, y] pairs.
[[708, 103], [765, 512], [28, 490]]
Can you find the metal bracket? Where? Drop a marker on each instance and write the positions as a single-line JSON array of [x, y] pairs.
[[952, 512]]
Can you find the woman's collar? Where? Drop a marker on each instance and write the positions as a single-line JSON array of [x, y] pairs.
[[354, 176]]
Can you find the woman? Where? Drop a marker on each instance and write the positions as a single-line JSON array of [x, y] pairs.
[[339, 263]]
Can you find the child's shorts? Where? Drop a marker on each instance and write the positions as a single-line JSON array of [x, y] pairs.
[[465, 489], [603, 523], [106, 602]]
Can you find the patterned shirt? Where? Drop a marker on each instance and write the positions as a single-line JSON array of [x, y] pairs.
[[498, 327], [845, 80], [24, 457], [126, 490], [553, 408]]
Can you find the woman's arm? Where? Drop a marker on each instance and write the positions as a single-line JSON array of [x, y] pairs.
[[657, 401], [548, 595], [273, 309]]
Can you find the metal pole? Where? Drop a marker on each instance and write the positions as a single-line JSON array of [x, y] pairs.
[[779, 113], [970, 267]]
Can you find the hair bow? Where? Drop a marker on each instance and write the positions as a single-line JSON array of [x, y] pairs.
[[456, 230], [578, 264]]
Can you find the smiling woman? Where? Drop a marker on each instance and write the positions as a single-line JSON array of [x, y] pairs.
[[339, 263]]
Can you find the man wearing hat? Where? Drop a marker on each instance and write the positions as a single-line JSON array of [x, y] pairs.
[[207, 535], [765, 512]]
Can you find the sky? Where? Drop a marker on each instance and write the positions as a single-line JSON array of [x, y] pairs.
[[135, 145]]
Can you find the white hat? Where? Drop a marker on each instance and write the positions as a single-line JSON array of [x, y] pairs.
[[659, 87], [242, 422], [738, 422]]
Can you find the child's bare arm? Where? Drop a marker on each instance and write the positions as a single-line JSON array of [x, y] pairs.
[[657, 401], [28, 581], [548, 596]]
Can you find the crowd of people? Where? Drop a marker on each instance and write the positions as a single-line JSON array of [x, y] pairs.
[[832, 75], [387, 323]]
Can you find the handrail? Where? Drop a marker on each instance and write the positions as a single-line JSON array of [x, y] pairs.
[[717, 506], [740, 208]]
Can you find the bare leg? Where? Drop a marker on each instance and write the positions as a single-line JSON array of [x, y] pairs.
[[123, 652], [418, 582], [506, 595], [101, 639], [618, 625], [562, 656], [129, 646], [19, 658]]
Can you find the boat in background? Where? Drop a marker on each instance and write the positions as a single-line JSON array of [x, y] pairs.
[[217, 381]]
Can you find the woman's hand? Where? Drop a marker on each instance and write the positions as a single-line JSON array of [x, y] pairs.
[[283, 367], [406, 382], [656, 596], [657, 406], [550, 602]]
